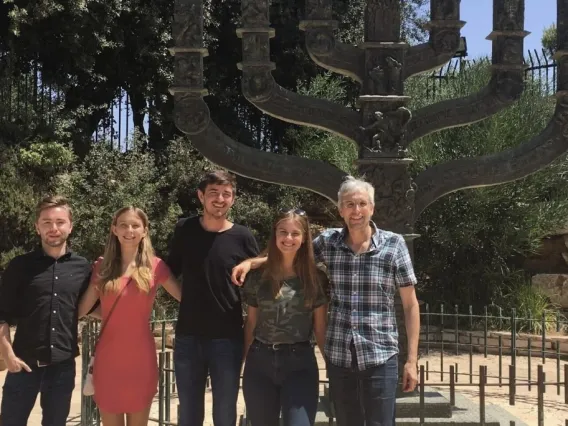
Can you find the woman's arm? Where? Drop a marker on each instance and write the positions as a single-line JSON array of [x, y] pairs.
[[96, 313], [88, 300], [320, 326], [173, 287], [250, 325]]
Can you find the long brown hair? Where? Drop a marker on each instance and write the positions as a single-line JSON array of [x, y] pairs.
[[304, 261], [111, 266]]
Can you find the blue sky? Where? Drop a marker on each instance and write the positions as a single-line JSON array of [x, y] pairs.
[[478, 15]]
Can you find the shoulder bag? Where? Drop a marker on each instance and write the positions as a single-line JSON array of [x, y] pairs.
[[88, 387]]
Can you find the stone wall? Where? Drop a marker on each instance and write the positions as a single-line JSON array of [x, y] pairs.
[[554, 286], [550, 268]]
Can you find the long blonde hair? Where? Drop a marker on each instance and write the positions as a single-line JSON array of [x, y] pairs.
[[111, 266], [304, 262]]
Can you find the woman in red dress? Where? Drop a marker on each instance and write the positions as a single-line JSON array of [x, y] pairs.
[[125, 371]]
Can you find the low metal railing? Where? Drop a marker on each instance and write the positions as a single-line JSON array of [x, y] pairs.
[[452, 344]]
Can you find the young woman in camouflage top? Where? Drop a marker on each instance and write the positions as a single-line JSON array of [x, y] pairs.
[[286, 307]]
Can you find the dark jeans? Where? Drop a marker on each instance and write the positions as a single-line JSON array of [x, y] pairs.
[[364, 398], [54, 382], [194, 357], [287, 379]]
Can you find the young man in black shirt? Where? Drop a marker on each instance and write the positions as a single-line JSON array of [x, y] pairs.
[[209, 331], [39, 293]]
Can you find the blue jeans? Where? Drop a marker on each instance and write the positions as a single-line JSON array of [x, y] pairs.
[[55, 383], [287, 379], [194, 357], [364, 398]]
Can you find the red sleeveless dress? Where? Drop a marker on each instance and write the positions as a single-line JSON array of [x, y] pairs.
[[125, 371]]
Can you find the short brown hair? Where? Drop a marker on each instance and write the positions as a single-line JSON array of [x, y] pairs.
[[218, 177], [52, 201]]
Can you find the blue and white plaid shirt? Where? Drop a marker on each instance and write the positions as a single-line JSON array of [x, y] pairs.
[[362, 295]]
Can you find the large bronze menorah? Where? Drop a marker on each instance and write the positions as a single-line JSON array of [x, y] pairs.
[[382, 127]]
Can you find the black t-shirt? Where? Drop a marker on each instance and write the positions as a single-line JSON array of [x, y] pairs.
[[211, 304]]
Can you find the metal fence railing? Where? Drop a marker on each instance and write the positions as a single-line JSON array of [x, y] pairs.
[[460, 352], [24, 94]]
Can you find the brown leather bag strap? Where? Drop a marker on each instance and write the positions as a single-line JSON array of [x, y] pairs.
[[110, 312]]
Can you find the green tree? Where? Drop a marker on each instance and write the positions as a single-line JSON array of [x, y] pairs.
[[473, 241], [27, 174], [548, 40], [318, 144], [90, 52], [107, 180]]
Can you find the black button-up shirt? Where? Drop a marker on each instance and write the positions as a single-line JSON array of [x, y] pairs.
[[41, 295]]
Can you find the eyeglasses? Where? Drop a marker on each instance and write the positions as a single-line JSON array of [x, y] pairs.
[[299, 212]]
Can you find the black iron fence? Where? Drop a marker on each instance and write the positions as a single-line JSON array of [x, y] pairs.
[[540, 68], [464, 357], [25, 97]]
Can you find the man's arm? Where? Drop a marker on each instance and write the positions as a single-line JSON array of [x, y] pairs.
[[10, 305], [175, 258], [240, 271], [318, 244], [320, 327], [412, 321], [406, 281], [250, 324], [13, 363], [251, 246], [10, 297], [249, 297]]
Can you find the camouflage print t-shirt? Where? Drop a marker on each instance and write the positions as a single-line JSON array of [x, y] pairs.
[[285, 319]]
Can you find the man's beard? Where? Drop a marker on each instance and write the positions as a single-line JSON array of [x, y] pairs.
[[55, 242], [216, 213]]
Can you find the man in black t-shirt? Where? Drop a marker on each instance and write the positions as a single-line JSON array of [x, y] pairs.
[[209, 331]]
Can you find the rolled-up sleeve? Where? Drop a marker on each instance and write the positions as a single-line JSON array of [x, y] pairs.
[[10, 302]]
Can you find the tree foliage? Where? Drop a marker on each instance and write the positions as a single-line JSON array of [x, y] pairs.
[[548, 40], [473, 241], [93, 51]]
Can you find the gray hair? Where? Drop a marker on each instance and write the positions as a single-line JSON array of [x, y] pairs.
[[351, 185]]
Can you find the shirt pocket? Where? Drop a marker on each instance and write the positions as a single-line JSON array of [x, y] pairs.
[[379, 286]]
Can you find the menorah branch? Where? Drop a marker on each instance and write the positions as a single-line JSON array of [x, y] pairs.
[[495, 169], [260, 88], [192, 117], [444, 41], [506, 84], [220, 149], [503, 89], [328, 53]]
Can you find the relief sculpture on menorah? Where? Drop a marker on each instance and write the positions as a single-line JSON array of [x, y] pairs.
[[382, 124]]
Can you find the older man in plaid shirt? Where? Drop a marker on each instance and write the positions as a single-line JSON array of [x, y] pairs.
[[366, 266]]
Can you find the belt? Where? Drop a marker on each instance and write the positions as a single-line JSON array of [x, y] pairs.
[[281, 346]]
